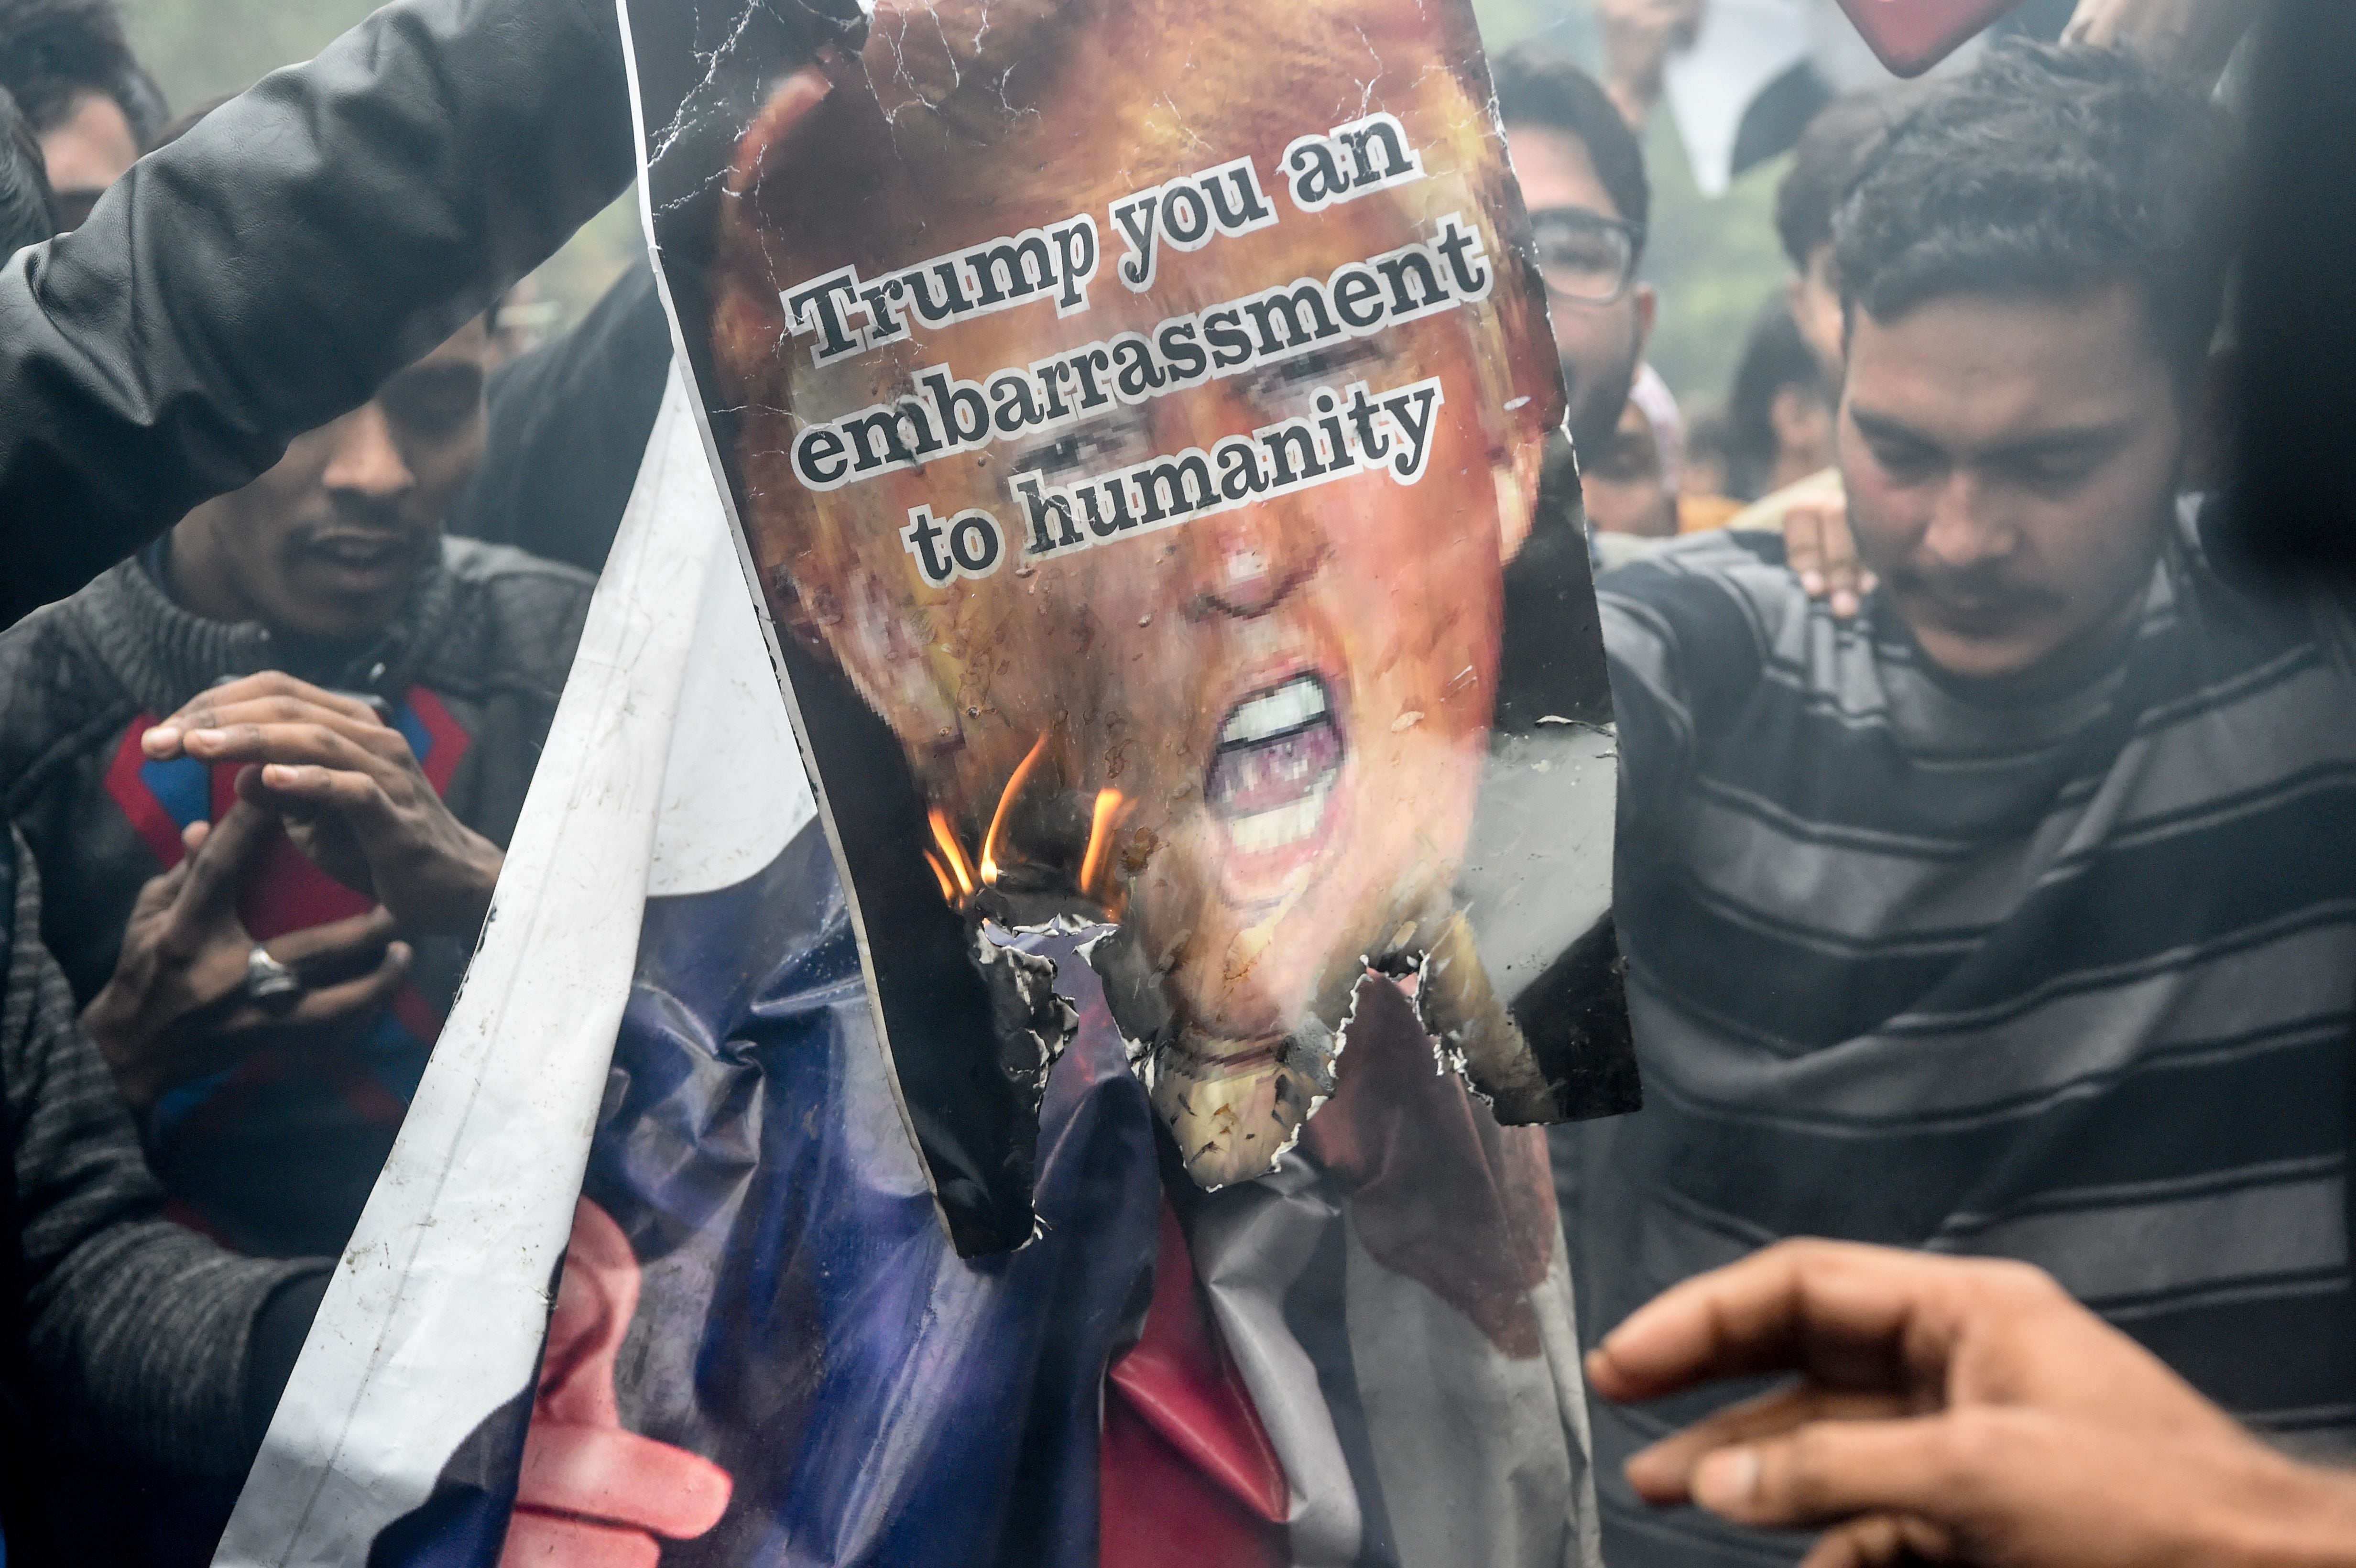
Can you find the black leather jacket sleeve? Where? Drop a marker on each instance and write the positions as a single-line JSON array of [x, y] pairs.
[[265, 272]]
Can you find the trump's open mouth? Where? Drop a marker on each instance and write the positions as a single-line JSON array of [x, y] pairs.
[[1271, 780]]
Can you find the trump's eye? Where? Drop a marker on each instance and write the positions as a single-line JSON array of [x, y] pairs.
[[1287, 390], [1111, 441]]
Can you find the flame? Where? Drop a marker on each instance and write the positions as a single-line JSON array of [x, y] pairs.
[[1110, 806], [941, 875], [954, 852], [997, 817]]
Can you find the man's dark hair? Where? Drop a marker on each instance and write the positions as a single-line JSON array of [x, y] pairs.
[[1826, 160], [2048, 170], [1774, 356], [28, 213], [53, 51], [1544, 87]]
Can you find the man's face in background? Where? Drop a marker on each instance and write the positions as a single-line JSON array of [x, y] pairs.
[[2011, 462], [85, 151], [327, 543], [1599, 345]]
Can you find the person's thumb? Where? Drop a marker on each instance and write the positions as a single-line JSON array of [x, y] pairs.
[[215, 866]]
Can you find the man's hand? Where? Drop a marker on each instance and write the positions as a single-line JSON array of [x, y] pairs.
[[1819, 547], [1955, 1411], [349, 791], [176, 1007]]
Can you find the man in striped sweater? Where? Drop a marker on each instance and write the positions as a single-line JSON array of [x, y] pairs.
[[2018, 916]]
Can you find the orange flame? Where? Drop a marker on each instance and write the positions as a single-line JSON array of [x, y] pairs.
[[954, 852], [1110, 806], [941, 875], [997, 817]]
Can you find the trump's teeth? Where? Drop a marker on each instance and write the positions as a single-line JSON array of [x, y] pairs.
[[1272, 713], [1283, 826]]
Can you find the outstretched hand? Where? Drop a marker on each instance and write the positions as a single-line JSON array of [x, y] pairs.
[[178, 1008], [349, 791], [1955, 1411]]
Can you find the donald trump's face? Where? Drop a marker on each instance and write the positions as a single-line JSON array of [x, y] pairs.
[[1246, 721]]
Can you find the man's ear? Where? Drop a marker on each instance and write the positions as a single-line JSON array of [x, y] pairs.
[[1648, 305], [2209, 420]]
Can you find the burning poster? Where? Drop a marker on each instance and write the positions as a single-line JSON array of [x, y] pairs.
[[1130, 412], [655, 1276]]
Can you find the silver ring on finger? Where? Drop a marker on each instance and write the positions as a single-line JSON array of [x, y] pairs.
[[266, 977]]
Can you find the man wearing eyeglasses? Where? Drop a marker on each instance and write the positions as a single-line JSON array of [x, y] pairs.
[[1582, 175]]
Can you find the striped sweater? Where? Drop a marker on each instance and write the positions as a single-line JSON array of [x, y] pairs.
[[2064, 977], [136, 1331]]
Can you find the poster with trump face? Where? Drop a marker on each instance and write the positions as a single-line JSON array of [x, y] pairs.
[[1134, 416]]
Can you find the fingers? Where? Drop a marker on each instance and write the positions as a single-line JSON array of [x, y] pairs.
[[310, 789], [1841, 568], [338, 746], [604, 1472], [157, 892], [1804, 547], [398, 844], [335, 943], [1883, 1539], [1854, 1315], [773, 131], [271, 695], [211, 877], [375, 989], [1660, 1473], [1827, 1471], [1751, 1316], [1822, 551], [226, 1034], [2101, 23], [796, 96]]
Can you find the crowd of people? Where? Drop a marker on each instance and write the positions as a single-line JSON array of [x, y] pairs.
[[1986, 867]]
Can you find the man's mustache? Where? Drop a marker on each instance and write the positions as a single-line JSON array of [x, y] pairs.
[[350, 514], [1989, 586]]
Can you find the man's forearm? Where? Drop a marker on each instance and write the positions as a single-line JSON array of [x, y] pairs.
[[265, 272]]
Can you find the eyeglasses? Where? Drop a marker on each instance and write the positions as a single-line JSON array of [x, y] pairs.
[[1585, 257]]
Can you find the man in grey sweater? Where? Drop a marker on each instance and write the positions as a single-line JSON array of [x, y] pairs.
[[137, 1336], [120, 1332], [257, 278]]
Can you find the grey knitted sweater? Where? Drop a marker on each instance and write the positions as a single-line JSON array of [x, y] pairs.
[[137, 1329], [277, 1162]]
